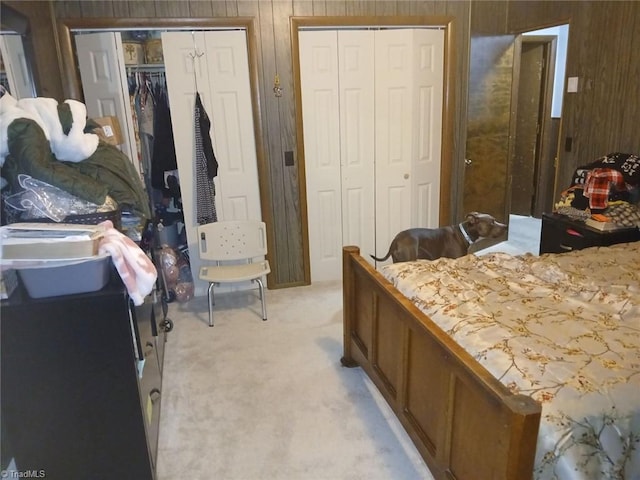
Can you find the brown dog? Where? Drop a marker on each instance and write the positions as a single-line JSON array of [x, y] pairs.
[[452, 241]]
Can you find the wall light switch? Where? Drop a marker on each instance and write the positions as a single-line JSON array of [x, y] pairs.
[[568, 143], [288, 158], [572, 84]]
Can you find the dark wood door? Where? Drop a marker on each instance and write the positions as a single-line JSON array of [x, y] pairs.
[[528, 128], [489, 113], [536, 132]]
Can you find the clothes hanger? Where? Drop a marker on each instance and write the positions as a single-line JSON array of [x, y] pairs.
[[194, 55]]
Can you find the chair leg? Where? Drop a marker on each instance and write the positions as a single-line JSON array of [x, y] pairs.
[[264, 305], [210, 301]]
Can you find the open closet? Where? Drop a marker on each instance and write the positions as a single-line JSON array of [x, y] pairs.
[[129, 73]]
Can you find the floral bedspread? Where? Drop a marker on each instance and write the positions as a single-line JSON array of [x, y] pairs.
[[564, 329]]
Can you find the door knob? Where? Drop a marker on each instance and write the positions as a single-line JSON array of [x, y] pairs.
[[467, 162], [406, 175]]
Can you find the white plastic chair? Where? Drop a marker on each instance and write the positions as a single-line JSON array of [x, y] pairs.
[[231, 241]]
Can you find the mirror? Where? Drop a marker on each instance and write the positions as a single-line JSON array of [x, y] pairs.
[[16, 67], [15, 72]]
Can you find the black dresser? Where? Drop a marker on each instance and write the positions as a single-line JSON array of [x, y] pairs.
[[81, 384], [562, 234]]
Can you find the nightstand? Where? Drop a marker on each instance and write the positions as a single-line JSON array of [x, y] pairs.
[[562, 234]]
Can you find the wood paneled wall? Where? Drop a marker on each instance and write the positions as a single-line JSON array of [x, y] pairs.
[[600, 118]]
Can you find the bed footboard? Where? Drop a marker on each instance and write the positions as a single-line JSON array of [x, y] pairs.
[[464, 422]]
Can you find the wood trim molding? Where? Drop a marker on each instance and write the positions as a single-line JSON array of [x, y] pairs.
[[448, 121]]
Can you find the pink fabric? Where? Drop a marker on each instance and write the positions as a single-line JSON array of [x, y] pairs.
[[135, 268]]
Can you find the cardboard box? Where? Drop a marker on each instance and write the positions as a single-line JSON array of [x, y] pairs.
[[133, 52], [47, 241], [111, 132], [153, 51]]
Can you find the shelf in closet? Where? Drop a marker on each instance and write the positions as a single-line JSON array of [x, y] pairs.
[[146, 67]]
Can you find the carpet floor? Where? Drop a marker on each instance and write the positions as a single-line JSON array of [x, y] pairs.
[[249, 399]]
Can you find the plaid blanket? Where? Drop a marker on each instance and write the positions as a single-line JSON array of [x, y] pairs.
[[598, 184]]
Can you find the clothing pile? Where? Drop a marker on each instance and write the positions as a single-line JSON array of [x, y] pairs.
[[55, 143], [608, 188]]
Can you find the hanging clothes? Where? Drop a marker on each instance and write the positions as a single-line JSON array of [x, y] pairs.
[[206, 166], [145, 101], [207, 146], [164, 151], [144, 106]]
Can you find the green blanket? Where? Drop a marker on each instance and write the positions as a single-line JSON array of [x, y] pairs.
[[106, 172]]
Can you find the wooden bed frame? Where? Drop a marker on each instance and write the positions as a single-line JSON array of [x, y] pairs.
[[463, 421]]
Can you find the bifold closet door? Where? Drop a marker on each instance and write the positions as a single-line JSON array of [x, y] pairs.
[[372, 115], [408, 139], [104, 83], [337, 105], [216, 64]]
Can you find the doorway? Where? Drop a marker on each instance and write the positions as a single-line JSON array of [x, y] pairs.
[[246, 29], [532, 169], [492, 141], [554, 41], [156, 94]]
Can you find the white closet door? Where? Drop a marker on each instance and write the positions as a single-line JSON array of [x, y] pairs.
[[394, 134], [321, 113], [378, 94], [409, 86], [222, 78], [337, 99], [357, 130], [428, 81], [16, 66], [232, 131], [104, 82]]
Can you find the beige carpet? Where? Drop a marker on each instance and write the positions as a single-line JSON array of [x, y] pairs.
[[249, 400]]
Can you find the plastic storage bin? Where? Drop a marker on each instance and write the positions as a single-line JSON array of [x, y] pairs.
[[85, 276]]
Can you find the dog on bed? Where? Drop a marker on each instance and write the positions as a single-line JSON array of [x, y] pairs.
[[452, 241]]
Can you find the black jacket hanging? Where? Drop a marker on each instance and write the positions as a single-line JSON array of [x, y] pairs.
[[207, 146], [164, 150], [205, 189]]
